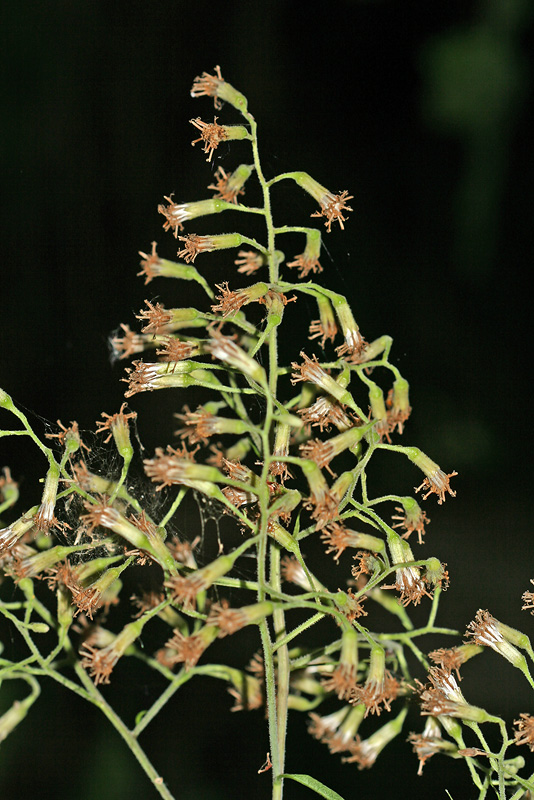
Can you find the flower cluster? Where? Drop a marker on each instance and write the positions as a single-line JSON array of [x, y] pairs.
[[282, 452]]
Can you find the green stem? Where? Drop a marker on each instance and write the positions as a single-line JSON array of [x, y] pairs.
[[126, 733]]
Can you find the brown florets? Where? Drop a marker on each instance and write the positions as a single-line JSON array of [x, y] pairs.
[[437, 483], [199, 425], [412, 522], [193, 245], [319, 451], [224, 189], [99, 514], [325, 412], [332, 207], [442, 695], [319, 331], [175, 349], [374, 694], [151, 263], [306, 264], [158, 318], [73, 430], [113, 420], [337, 539], [525, 731], [410, 585], [207, 85], [310, 370], [129, 344], [342, 681], [185, 649], [185, 588], [292, 572], [168, 467], [229, 301], [353, 348], [211, 134], [99, 663], [450, 659], [248, 694], [528, 599], [324, 508], [249, 261], [229, 620]]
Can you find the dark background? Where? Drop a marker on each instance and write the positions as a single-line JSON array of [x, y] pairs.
[[423, 111]]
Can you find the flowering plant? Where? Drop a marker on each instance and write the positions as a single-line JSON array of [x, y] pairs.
[[282, 451]]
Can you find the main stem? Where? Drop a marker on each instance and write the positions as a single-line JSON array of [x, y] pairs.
[[277, 680]]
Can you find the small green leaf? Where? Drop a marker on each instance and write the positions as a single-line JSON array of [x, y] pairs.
[[140, 716], [312, 783]]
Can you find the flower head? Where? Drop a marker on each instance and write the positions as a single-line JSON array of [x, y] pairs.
[[131, 343], [229, 187], [312, 372], [177, 213], [325, 412], [487, 631], [344, 678], [148, 376], [308, 261], [224, 349], [100, 661], [215, 86], [325, 327], [45, 519], [332, 205], [380, 687], [528, 598], [364, 753], [231, 301], [339, 731], [212, 134], [151, 262], [194, 244], [338, 538], [353, 349], [67, 437], [176, 349], [229, 620], [443, 697], [436, 481], [249, 261], [413, 518], [117, 425], [398, 404], [451, 659], [186, 650], [525, 731], [430, 742]]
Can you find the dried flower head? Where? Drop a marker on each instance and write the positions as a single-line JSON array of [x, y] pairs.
[[332, 207], [525, 731], [412, 518], [528, 599], [211, 134], [248, 261], [229, 187], [115, 423]]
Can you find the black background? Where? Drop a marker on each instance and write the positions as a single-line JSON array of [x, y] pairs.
[[423, 111]]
